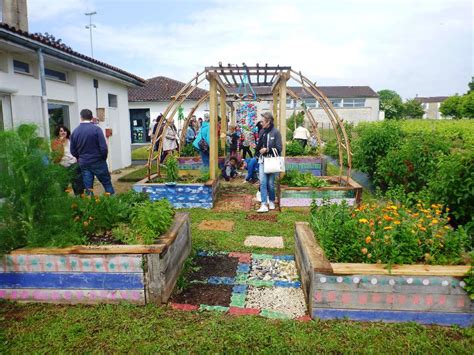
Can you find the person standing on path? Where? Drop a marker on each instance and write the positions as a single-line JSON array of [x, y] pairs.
[[89, 147], [202, 141], [269, 139]]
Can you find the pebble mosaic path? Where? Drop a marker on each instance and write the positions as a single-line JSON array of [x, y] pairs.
[[274, 292]]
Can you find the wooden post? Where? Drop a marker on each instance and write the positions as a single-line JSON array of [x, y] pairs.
[[282, 118], [275, 108], [232, 115], [213, 151], [223, 110]]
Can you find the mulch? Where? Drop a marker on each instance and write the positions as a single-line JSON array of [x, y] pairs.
[[212, 295], [233, 202], [220, 265], [217, 225], [262, 217]]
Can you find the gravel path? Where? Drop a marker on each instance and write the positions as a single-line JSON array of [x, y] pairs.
[[289, 301], [273, 269]]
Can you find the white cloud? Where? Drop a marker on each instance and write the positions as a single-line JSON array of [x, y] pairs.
[[45, 10], [413, 46]]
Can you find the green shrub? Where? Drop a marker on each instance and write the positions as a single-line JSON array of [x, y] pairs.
[[412, 163], [388, 233], [36, 209], [374, 142], [294, 148], [294, 178]]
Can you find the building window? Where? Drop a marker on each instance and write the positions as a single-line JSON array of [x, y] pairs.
[[290, 103], [311, 103], [54, 74], [353, 102], [140, 125], [58, 115], [21, 67], [336, 102], [113, 100]]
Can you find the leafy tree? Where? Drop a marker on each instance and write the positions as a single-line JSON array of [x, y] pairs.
[[451, 107], [471, 86], [391, 103], [466, 105], [413, 109]]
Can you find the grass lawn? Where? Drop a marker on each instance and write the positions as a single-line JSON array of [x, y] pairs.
[[140, 153], [124, 328]]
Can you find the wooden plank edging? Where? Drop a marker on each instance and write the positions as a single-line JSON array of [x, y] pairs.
[[320, 263]]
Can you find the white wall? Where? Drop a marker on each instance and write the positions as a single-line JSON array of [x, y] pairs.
[[24, 93]]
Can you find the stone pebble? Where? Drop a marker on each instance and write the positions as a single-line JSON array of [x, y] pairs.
[[289, 301], [273, 269]]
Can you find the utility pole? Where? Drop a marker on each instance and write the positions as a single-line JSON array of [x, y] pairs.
[[90, 27]]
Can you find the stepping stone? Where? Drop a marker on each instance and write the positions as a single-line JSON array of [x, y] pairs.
[[219, 225], [264, 242]]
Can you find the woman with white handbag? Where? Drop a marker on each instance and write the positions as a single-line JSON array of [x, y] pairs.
[[270, 163]]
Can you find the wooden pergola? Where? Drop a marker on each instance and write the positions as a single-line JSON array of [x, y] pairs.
[[223, 84]]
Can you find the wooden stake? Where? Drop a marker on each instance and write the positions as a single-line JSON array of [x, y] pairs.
[[213, 151], [223, 119], [282, 118]]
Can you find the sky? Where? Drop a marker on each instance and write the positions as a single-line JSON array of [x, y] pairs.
[[415, 47]]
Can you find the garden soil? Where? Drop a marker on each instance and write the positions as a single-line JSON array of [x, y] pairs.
[[220, 265], [211, 295]]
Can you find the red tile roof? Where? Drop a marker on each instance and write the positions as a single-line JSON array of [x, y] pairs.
[[161, 88], [329, 91], [44, 41]]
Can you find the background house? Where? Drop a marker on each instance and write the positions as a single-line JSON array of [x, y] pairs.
[[431, 106], [46, 83], [147, 102]]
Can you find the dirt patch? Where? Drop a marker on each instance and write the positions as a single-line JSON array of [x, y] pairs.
[[105, 238], [212, 295], [219, 225], [227, 202], [221, 266], [262, 217]]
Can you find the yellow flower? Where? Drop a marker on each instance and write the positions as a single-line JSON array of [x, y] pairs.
[[396, 222], [387, 228], [446, 227], [363, 220], [447, 209], [393, 207], [434, 221], [368, 240]]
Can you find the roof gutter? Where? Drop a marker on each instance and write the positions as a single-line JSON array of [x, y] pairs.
[[66, 56]]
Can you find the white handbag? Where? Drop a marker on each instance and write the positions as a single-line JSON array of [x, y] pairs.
[[275, 164]]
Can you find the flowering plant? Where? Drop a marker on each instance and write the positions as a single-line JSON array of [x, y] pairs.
[[389, 233]]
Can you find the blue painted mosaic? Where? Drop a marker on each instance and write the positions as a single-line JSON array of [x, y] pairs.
[[180, 195]]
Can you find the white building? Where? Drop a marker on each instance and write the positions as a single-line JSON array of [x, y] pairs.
[[147, 102], [431, 106], [47, 83]]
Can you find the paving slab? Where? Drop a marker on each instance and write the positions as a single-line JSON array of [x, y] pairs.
[[264, 242]]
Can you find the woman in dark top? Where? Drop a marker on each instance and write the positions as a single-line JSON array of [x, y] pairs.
[[269, 139]]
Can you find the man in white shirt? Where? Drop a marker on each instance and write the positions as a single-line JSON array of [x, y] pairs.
[[302, 135]]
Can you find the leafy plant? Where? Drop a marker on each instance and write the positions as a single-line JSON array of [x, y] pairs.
[[388, 233], [35, 211], [391, 103], [171, 165], [295, 178], [294, 148], [413, 109], [189, 151], [469, 280]]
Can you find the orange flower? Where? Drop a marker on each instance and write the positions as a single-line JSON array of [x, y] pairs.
[[368, 240], [364, 251], [387, 218]]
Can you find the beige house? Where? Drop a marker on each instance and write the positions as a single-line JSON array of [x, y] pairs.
[[431, 106]]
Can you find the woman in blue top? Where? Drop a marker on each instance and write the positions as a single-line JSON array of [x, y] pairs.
[[203, 135]]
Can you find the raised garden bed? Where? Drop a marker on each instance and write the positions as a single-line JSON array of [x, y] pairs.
[[138, 274], [181, 195], [193, 165], [314, 165], [428, 294], [350, 191]]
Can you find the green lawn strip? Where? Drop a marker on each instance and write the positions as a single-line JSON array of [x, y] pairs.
[[140, 153], [234, 241], [123, 328], [139, 174]]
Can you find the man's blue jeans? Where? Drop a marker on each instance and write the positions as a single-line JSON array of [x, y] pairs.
[[267, 185], [101, 170]]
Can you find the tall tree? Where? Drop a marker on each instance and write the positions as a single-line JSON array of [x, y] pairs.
[[466, 105], [451, 107], [413, 109], [391, 103]]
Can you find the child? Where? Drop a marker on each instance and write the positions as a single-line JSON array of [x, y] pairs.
[[251, 164], [229, 170], [234, 138]]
